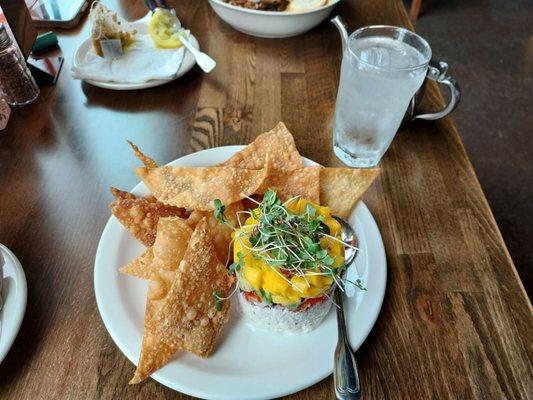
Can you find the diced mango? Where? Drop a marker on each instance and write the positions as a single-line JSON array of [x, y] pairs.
[[336, 249], [300, 283], [293, 206], [327, 281], [314, 291], [320, 281], [315, 280], [301, 205], [250, 221], [339, 260], [333, 225], [253, 276], [258, 263], [326, 243], [324, 211], [273, 283]]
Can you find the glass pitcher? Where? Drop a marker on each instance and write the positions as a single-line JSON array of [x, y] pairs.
[[383, 72]]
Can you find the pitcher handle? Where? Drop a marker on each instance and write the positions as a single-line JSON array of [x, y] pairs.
[[438, 72]]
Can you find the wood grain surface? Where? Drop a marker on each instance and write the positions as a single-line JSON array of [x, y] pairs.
[[455, 322]]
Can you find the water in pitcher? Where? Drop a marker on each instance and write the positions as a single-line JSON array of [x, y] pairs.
[[379, 76]]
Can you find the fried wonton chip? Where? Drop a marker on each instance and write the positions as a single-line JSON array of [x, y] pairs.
[[195, 217], [197, 188], [220, 233], [189, 316], [303, 182], [147, 161], [169, 248], [141, 267], [341, 188], [154, 354], [140, 215], [278, 145]]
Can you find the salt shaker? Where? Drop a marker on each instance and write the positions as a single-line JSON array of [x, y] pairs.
[[17, 86]]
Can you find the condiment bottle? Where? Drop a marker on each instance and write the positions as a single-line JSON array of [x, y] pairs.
[[17, 86]]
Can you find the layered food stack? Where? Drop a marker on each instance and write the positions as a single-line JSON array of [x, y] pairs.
[[288, 257]]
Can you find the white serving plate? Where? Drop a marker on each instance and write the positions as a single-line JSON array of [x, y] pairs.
[[247, 363], [271, 24], [14, 294], [186, 65]]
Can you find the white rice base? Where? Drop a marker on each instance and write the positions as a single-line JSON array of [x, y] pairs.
[[281, 319]]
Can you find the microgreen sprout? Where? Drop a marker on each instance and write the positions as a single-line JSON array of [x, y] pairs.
[[237, 265], [219, 213], [358, 284], [217, 297], [288, 242]]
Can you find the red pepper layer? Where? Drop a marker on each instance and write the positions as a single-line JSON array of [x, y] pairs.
[[311, 302], [252, 297]]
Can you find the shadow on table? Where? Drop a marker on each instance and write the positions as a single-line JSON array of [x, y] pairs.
[[182, 90]]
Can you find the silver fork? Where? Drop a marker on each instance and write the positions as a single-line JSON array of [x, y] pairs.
[[345, 376]]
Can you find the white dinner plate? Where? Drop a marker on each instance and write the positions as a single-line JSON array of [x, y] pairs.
[[14, 293], [247, 363], [186, 65]]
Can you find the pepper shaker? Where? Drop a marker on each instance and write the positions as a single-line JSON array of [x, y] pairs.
[[17, 85]]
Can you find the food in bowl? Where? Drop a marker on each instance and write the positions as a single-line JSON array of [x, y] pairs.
[[279, 5], [265, 5]]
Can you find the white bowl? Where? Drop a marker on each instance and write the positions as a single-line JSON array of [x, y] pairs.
[[271, 24]]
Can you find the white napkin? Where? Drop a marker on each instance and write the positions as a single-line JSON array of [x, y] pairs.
[[141, 62]]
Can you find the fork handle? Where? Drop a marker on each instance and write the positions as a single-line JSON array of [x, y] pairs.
[[345, 376], [206, 63], [153, 4]]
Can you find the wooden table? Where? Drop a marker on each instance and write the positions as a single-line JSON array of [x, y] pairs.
[[455, 323]]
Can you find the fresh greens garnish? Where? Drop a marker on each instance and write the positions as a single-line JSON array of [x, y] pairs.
[[219, 213], [358, 284], [285, 239], [266, 297], [237, 265], [217, 298]]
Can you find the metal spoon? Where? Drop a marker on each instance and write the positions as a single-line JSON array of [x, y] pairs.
[[348, 237], [345, 376]]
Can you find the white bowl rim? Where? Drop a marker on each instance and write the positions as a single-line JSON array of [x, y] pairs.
[[222, 3]]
